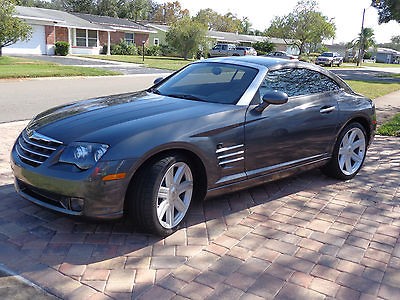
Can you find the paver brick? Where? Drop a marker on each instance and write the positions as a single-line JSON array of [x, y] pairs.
[[291, 291], [301, 279], [261, 289], [325, 287], [195, 290]]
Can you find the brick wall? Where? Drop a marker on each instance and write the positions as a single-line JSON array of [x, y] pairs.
[[140, 37], [61, 34], [50, 34], [116, 37]]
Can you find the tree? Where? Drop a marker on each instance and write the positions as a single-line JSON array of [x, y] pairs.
[[169, 13], [81, 6], [136, 9], [367, 38], [187, 36], [387, 10], [107, 8], [303, 27], [217, 22], [12, 29]]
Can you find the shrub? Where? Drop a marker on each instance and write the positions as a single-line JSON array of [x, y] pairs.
[[122, 48], [61, 48], [153, 51], [263, 47]]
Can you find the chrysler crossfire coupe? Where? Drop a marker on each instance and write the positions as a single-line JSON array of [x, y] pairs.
[[213, 127]]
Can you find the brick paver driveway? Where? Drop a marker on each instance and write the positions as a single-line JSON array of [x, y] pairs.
[[304, 237]]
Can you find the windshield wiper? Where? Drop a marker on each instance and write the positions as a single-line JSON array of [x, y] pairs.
[[154, 91], [186, 96]]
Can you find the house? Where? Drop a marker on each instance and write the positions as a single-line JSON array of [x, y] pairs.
[[219, 37], [388, 56], [86, 34], [125, 29]]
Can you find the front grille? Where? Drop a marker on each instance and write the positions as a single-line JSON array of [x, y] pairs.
[[34, 148]]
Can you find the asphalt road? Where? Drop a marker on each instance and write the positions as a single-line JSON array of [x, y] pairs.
[[123, 68], [21, 99]]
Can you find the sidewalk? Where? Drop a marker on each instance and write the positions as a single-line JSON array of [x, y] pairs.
[[387, 106], [306, 237]]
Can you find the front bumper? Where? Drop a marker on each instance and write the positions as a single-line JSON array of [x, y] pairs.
[[71, 191]]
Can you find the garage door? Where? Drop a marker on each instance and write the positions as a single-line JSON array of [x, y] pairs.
[[36, 45]]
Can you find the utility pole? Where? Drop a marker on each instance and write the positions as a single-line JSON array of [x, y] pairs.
[[361, 49]]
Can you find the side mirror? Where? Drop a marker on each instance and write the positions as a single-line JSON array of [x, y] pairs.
[[157, 80], [272, 97]]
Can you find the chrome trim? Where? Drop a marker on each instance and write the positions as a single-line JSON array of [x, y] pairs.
[[31, 151], [229, 148], [27, 158], [230, 161], [289, 164], [37, 145], [230, 154], [37, 136]]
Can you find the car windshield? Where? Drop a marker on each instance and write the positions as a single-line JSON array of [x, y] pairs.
[[209, 82], [327, 54]]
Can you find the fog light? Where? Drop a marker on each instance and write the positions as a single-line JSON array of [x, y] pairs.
[[76, 204]]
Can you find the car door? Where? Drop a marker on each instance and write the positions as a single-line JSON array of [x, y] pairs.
[[297, 132]]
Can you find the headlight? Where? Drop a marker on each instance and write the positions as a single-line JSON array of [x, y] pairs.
[[83, 155]]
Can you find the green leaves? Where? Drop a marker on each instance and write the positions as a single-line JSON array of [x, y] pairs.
[[187, 36], [304, 27], [12, 29]]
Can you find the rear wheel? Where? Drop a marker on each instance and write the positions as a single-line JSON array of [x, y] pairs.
[[162, 194], [349, 153]]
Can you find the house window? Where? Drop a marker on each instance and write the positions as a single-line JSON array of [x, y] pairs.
[[156, 42], [86, 38], [81, 37], [129, 38]]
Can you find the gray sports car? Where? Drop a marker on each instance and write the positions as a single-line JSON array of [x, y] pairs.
[[215, 126]]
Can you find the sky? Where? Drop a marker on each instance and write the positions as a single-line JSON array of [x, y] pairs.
[[347, 15]]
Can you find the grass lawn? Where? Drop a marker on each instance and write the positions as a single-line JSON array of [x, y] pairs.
[[391, 128], [373, 89], [381, 65], [13, 67], [159, 62]]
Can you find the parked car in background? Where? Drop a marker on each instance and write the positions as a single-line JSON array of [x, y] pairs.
[[329, 59], [244, 50], [231, 50], [215, 126], [282, 54]]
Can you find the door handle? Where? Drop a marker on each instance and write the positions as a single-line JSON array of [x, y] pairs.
[[327, 109]]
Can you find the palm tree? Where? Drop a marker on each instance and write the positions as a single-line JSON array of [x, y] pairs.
[[365, 40]]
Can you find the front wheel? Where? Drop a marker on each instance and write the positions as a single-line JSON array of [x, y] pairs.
[[162, 195], [348, 154]]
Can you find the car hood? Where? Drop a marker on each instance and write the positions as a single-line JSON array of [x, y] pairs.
[[110, 119]]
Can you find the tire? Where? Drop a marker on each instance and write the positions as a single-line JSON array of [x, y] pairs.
[[331, 64], [348, 154], [160, 198], [340, 63]]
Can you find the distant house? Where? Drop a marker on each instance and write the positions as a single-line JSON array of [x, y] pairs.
[[86, 34], [125, 29], [388, 56], [219, 37]]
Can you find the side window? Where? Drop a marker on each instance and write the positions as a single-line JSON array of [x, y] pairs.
[[297, 82], [224, 47]]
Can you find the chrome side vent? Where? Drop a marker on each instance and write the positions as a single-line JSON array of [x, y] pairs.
[[34, 148], [229, 155]]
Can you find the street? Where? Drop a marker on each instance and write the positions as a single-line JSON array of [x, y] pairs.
[[21, 99]]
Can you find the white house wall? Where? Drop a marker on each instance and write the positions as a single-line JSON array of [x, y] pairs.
[[36, 45]]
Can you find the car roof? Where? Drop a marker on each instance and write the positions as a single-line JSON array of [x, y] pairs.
[[273, 63], [265, 61]]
